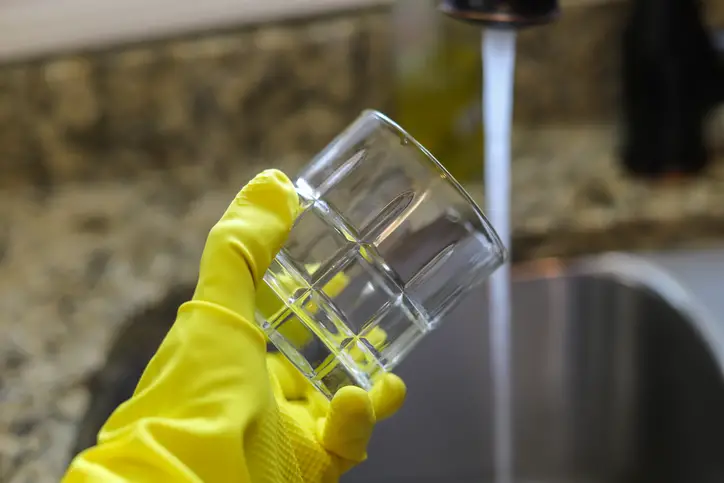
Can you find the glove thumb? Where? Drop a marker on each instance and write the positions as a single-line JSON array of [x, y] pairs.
[[244, 241], [353, 413], [347, 429]]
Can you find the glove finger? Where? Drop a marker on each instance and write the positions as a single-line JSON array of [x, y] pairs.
[[347, 429], [292, 383], [294, 331], [388, 395], [241, 245], [336, 285], [377, 338], [268, 303], [294, 388]]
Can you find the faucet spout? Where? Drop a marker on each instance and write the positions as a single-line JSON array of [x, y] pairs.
[[503, 13]]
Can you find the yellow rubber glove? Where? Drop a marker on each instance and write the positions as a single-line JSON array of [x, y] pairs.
[[211, 405]]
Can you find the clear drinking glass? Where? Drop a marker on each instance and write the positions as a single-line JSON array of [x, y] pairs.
[[387, 244]]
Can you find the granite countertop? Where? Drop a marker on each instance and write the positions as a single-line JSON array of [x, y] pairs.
[[77, 261], [571, 197]]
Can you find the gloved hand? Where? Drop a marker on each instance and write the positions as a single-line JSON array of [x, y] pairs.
[[212, 406], [270, 306]]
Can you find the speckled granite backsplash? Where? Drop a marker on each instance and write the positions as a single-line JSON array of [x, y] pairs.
[[264, 91], [267, 91]]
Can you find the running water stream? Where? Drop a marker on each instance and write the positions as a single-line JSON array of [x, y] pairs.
[[498, 52]]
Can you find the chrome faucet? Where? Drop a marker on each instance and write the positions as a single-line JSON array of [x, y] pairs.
[[503, 13]]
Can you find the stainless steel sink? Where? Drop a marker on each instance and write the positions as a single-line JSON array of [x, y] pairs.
[[618, 378]]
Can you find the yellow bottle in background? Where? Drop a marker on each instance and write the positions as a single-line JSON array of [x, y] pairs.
[[437, 85]]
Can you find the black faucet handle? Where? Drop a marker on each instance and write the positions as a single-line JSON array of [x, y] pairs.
[[503, 13]]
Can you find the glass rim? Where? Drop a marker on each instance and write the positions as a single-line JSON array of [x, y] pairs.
[[379, 116]]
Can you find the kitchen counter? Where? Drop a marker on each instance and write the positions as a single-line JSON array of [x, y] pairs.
[[571, 197], [78, 259]]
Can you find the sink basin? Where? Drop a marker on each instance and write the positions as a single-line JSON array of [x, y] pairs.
[[618, 378]]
